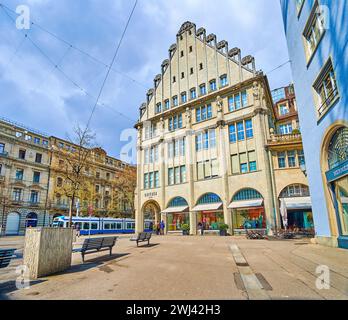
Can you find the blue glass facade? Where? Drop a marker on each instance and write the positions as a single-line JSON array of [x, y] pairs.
[[317, 36]]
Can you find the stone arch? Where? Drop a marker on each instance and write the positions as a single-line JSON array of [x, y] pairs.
[[31, 220], [324, 165], [151, 210]]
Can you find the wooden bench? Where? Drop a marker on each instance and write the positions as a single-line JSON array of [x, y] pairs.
[[6, 256], [93, 245], [142, 237]]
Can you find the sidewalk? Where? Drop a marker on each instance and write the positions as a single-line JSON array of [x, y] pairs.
[[176, 267]]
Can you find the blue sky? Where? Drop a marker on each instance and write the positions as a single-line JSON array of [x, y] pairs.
[[34, 93]]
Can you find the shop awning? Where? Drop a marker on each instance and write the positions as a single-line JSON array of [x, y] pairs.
[[298, 203], [207, 207], [175, 209], [246, 204]]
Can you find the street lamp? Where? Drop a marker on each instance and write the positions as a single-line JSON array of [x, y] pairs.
[[303, 169]]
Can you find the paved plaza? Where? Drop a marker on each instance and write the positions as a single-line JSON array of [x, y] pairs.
[[176, 267]]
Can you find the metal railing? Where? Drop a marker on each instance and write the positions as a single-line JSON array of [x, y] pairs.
[[327, 103], [286, 137]]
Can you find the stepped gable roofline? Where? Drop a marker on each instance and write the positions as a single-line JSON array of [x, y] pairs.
[[186, 26], [201, 31], [158, 77], [222, 44], [211, 37], [165, 63], [234, 52]]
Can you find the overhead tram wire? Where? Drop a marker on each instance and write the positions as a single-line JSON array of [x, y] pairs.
[[77, 49], [280, 66], [56, 66], [112, 63]]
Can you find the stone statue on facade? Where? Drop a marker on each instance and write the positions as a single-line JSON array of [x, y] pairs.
[[220, 105], [188, 116]]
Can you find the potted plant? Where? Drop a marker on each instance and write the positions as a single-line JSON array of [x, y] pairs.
[[223, 229], [185, 230]]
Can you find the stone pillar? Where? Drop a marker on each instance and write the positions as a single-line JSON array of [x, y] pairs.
[[47, 251]]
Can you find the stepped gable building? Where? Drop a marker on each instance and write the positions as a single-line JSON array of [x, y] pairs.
[[202, 137]]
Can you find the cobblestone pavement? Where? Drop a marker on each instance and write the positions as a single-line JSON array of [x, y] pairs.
[[175, 267]]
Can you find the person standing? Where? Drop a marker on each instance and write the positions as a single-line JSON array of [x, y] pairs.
[[78, 230], [162, 226]]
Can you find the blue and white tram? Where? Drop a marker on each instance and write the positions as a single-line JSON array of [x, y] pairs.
[[96, 225]]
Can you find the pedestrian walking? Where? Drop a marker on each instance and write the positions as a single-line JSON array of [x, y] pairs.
[[78, 230]]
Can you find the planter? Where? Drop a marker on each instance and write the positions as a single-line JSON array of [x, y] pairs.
[[223, 233]]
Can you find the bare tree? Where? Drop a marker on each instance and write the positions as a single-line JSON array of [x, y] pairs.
[[76, 161]]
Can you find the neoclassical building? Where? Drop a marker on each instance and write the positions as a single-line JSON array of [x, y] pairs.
[[202, 138]]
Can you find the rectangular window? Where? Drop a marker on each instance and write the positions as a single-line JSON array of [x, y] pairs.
[[182, 146], [233, 135], [244, 99], [223, 81], [301, 157], [285, 128], [159, 107], [183, 174], [157, 184], [231, 106], [37, 140], [34, 197], [202, 89], [326, 88], [209, 111], [200, 170], [36, 177], [193, 93], [237, 101], [146, 181], [206, 140], [252, 161], [175, 101], [151, 180], [167, 104], [243, 162], [38, 158], [212, 138], [291, 159], [235, 164], [281, 160], [17, 194], [177, 175], [19, 174], [284, 109], [199, 142], [314, 30], [240, 131], [21, 154], [146, 156], [249, 129], [204, 113], [171, 176], [207, 169], [215, 168], [183, 97], [213, 85]]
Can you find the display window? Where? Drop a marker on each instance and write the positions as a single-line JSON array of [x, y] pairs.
[[251, 218], [210, 220], [175, 221]]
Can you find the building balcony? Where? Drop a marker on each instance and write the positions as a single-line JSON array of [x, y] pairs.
[[277, 139], [3, 154]]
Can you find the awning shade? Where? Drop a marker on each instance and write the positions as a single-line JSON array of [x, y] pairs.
[[246, 204], [175, 209], [298, 203], [207, 207]]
